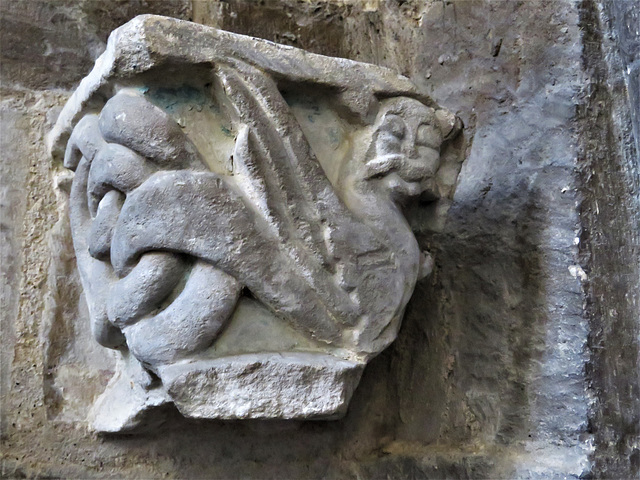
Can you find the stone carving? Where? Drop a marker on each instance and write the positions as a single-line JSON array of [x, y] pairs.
[[236, 212]]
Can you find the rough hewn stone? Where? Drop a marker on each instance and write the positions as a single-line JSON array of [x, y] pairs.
[[488, 385], [52, 44], [263, 386]]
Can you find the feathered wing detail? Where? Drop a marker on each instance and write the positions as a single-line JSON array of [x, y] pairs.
[[345, 260], [300, 201], [278, 156]]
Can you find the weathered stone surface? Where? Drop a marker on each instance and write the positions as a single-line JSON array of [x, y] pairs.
[[489, 384], [130, 402], [610, 235], [263, 386], [52, 44], [171, 232]]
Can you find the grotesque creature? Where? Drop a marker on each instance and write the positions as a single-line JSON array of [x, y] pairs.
[[167, 247], [180, 243]]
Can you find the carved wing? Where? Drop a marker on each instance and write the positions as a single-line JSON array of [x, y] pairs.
[[296, 198], [277, 226]]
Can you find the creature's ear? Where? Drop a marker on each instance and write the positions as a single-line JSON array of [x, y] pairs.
[[450, 125]]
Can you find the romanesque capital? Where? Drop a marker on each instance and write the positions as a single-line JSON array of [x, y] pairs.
[[237, 216]]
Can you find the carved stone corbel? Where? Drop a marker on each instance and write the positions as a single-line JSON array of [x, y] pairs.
[[236, 212]]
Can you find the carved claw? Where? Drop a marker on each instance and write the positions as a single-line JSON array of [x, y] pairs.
[[85, 141], [103, 224], [95, 275]]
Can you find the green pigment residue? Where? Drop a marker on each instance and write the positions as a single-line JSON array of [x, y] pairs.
[[334, 136], [170, 98], [226, 130]]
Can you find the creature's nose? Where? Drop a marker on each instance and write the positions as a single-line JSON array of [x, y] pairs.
[[419, 163]]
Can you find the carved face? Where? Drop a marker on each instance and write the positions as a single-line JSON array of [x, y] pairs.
[[405, 153]]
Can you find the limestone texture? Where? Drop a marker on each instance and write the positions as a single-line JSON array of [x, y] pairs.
[[300, 211], [517, 356], [263, 386]]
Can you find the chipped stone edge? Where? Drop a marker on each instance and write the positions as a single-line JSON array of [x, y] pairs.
[[151, 41], [284, 372]]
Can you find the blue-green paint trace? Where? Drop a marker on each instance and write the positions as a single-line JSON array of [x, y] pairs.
[[170, 98], [226, 130]]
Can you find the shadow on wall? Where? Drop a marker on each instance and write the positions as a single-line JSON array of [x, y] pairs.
[[463, 357], [610, 238]]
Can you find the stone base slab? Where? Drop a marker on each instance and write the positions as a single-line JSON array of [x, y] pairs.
[[263, 386]]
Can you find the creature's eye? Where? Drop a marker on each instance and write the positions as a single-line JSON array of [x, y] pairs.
[[428, 135], [394, 125]]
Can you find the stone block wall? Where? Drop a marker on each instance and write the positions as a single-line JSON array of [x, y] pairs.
[[518, 357]]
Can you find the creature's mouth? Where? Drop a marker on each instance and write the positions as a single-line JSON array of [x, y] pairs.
[[410, 170]]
